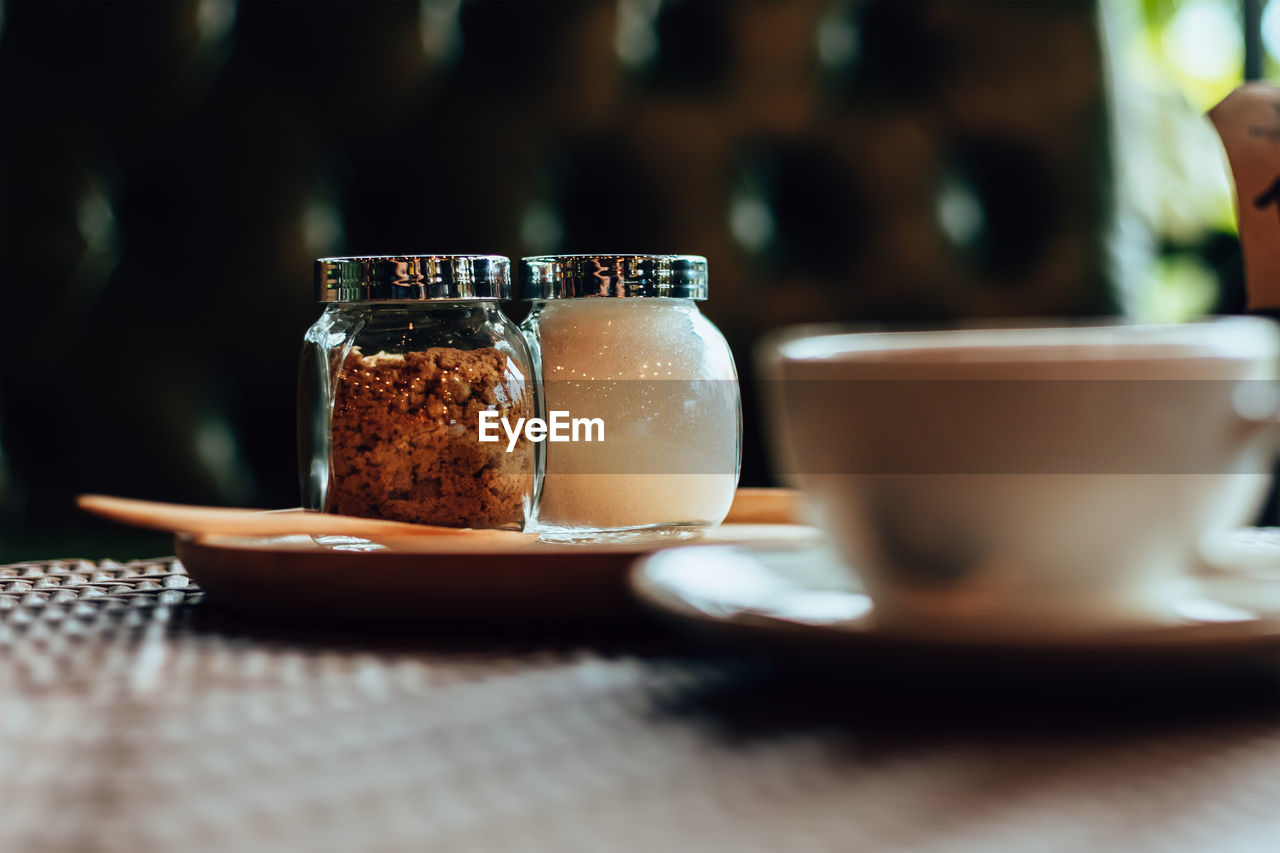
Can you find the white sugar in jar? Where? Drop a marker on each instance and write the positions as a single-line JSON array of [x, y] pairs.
[[651, 435]]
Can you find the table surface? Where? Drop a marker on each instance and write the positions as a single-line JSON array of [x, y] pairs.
[[136, 717]]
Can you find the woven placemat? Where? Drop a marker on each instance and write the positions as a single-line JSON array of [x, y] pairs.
[[134, 717]]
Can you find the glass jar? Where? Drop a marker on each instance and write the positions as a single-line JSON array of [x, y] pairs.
[[644, 389], [409, 354]]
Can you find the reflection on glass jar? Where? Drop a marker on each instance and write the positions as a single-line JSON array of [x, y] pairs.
[[620, 342], [409, 352]]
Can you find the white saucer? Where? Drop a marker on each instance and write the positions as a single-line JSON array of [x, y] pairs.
[[799, 603]]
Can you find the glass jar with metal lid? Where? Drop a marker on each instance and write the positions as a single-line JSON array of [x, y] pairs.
[[640, 395], [409, 359]]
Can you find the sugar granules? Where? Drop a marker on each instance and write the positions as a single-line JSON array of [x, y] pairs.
[[405, 440]]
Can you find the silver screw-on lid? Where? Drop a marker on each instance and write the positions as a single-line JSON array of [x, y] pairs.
[[584, 276], [412, 278]]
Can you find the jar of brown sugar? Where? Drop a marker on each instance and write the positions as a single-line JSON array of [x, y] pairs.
[[396, 379]]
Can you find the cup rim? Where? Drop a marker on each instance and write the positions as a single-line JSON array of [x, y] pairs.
[[1032, 340]]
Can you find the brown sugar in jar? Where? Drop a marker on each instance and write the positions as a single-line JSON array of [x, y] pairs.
[[395, 374], [406, 442]]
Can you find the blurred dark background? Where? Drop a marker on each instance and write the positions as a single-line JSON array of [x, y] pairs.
[[169, 170]]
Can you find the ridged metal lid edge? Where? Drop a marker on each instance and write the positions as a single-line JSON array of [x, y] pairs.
[[412, 278], [592, 276]]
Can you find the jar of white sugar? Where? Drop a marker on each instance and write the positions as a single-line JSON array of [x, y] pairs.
[[642, 410]]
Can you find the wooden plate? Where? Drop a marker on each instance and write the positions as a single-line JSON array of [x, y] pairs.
[[428, 582]]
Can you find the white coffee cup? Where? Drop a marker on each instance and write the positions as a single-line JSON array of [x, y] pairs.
[[1026, 481]]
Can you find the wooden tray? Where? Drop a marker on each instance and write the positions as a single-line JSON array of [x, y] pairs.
[[425, 581]]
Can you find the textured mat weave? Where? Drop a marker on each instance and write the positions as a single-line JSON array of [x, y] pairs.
[[133, 717]]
